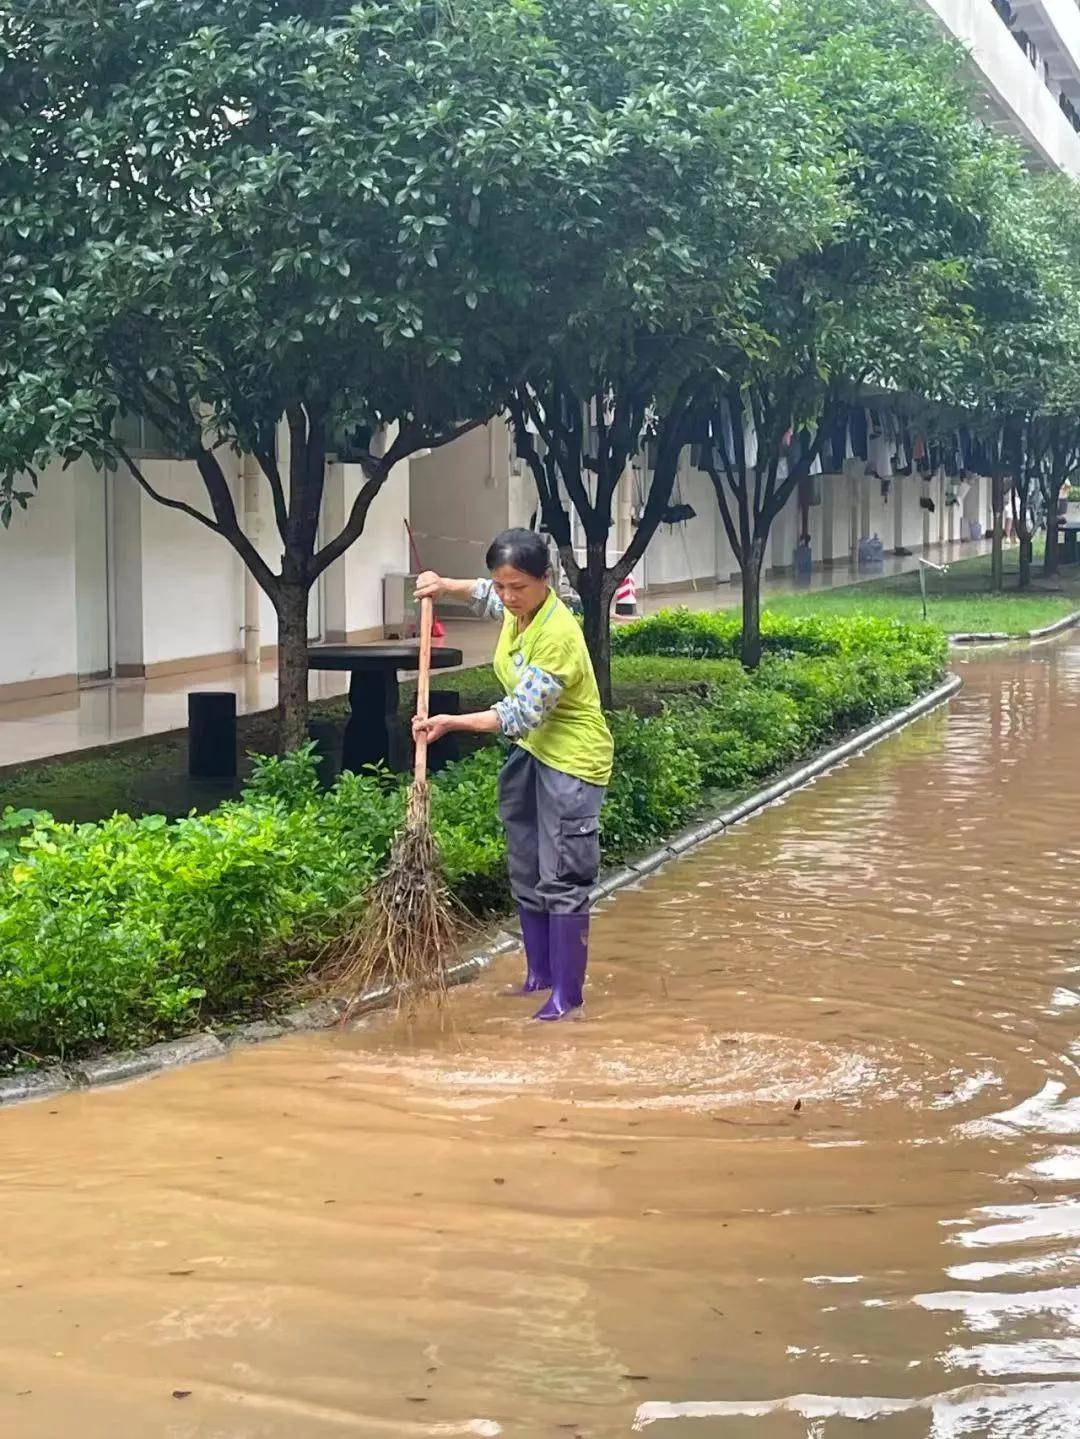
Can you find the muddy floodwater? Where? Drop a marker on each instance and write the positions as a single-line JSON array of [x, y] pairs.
[[810, 1166]]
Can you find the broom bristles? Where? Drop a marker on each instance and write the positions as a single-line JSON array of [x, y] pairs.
[[411, 926]]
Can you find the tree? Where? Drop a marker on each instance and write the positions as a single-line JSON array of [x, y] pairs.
[[883, 302], [1024, 365], [716, 171], [1057, 206], [234, 216], [1062, 460]]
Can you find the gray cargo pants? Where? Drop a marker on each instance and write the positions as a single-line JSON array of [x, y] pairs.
[[552, 823]]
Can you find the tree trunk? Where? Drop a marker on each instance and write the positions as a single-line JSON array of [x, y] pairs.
[[997, 555], [596, 592], [750, 565], [597, 626], [596, 617], [1025, 560], [292, 612]]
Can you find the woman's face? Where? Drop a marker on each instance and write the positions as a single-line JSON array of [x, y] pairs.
[[522, 594]]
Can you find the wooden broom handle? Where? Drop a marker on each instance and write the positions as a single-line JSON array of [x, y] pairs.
[[423, 686]]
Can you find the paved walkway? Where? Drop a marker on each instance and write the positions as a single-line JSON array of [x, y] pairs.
[[109, 713]]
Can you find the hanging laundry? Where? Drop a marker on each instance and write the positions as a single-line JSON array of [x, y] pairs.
[[955, 460], [921, 456], [750, 441], [837, 440], [726, 436], [879, 455], [901, 462]]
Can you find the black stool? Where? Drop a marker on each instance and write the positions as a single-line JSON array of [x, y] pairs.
[[212, 734], [448, 749]]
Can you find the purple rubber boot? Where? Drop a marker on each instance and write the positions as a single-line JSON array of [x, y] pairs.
[[569, 958], [537, 936]]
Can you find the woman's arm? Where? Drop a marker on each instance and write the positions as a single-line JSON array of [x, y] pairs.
[[430, 586], [433, 729], [522, 711], [480, 593]]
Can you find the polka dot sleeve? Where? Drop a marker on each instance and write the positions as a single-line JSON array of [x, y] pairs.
[[485, 602], [532, 701]]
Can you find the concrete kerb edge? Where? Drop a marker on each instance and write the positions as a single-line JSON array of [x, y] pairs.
[[324, 1013], [994, 638]]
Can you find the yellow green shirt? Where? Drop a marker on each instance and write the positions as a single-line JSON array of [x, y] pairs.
[[549, 661]]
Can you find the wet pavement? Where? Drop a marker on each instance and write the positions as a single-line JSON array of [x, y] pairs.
[[809, 1167]]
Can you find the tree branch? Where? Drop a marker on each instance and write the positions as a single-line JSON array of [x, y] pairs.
[[230, 532], [721, 495], [228, 524], [166, 500], [560, 441], [672, 439], [269, 466], [553, 510], [411, 437]]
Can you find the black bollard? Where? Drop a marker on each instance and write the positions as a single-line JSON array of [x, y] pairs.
[[212, 734], [448, 749]]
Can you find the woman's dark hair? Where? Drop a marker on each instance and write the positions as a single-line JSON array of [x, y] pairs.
[[522, 550]]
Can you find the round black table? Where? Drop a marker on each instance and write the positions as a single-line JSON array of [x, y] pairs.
[[374, 697]]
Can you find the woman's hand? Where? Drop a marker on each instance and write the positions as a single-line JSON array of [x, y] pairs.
[[432, 730], [429, 585]]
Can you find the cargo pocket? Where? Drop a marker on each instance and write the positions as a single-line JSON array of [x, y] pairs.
[[579, 850]]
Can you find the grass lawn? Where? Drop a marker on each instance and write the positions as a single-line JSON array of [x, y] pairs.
[[958, 601]]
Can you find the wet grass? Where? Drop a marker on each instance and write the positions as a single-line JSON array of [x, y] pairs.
[[142, 776], [959, 602]]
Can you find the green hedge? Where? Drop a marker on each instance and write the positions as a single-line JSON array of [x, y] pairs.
[[118, 932]]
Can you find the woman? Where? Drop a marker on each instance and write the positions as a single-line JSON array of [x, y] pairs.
[[553, 781]]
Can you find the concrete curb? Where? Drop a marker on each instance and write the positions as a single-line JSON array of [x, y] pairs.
[[323, 1013], [993, 637]]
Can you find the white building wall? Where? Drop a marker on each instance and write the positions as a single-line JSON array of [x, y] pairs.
[[126, 579], [679, 554], [383, 549], [835, 541], [815, 524], [977, 500], [522, 500], [461, 498], [911, 534], [783, 538], [37, 589], [192, 587], [880, 515], [1016, 94]]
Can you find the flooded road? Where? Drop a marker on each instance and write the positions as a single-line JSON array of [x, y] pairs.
[[812, 1160]]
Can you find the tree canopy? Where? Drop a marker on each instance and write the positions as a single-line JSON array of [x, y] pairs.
[[236, 217], [884, 303], [721, 168]]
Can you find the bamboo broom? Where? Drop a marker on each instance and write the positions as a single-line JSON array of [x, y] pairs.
[[411, 925]]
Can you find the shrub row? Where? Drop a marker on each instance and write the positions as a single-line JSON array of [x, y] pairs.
[[116, 932]]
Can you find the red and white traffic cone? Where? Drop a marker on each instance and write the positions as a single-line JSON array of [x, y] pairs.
[[626, 598]]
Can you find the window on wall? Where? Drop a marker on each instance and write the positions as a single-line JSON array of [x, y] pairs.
[[141, 438]]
